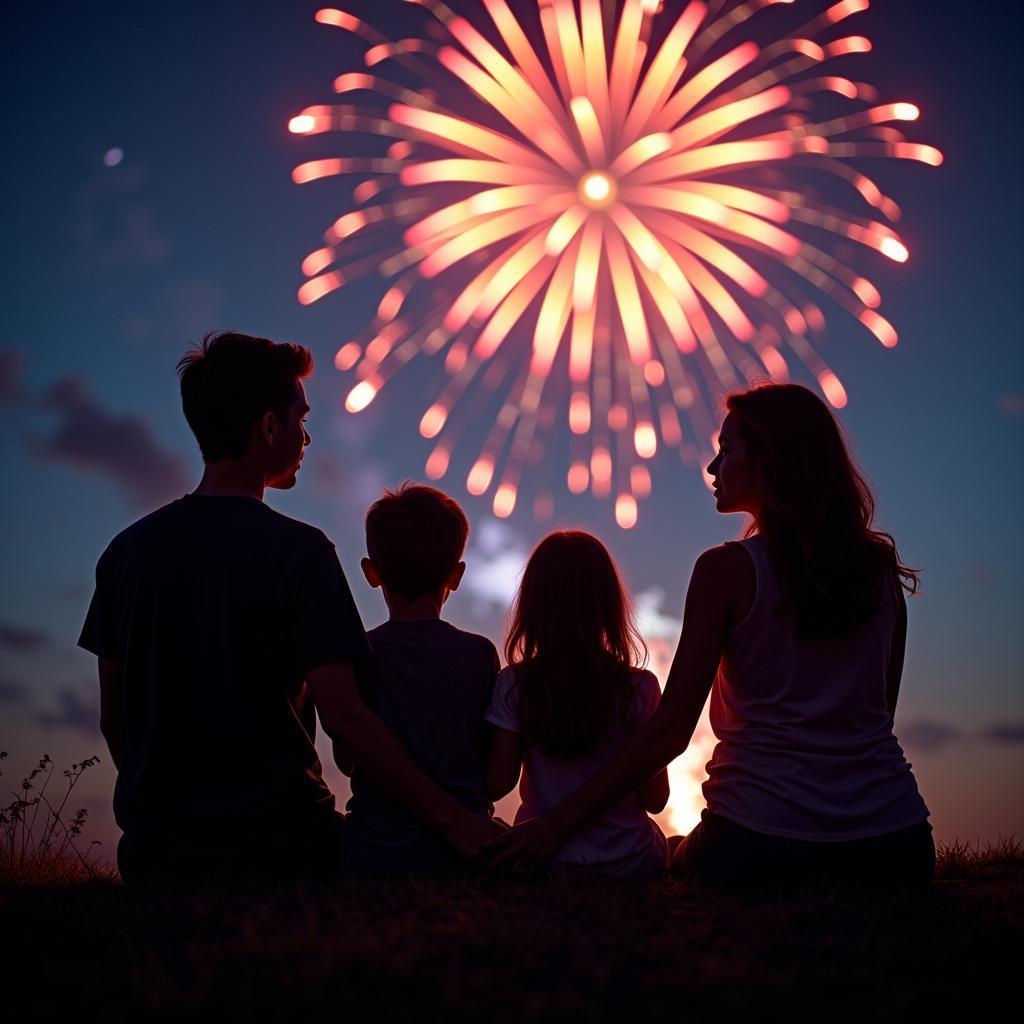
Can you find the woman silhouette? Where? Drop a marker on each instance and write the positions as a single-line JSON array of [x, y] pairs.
[[798, 631]]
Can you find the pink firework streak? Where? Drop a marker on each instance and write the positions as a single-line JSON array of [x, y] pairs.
[[643, 206]]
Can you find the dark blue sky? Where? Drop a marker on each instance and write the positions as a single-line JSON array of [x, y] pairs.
[[112, 272]]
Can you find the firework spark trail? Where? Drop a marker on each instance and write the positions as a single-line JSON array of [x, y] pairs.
[[639, 205]]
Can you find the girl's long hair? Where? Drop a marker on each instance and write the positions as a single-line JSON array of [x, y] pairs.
[[817, 511], [572, 644]]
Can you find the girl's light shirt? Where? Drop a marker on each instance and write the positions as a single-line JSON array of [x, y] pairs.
[[805, 740], [624, 835]]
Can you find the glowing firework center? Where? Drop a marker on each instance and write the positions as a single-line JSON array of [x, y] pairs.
[[632, 227], [597, 190]]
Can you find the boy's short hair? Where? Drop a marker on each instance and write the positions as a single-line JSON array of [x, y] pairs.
[[415, 536], [230, 381]]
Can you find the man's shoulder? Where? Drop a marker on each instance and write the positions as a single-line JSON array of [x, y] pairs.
[[152, 522], [295, 529], [242, 517]]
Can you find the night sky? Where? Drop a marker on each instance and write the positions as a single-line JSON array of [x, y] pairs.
[[114, 271]]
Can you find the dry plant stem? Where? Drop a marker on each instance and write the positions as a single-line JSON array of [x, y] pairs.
[[20, 845], [36, 802]]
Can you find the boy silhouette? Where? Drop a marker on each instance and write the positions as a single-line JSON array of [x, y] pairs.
[[429, 682], [217, 623]]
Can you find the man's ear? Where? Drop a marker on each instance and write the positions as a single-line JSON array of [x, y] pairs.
[[370, 572], [455, 577], [267, 428]]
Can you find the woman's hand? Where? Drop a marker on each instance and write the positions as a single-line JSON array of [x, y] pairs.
[[528, 845], [469, 835]]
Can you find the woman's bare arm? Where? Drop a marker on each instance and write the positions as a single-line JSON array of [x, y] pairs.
[[343, 758], [347, 720], [654, 793]]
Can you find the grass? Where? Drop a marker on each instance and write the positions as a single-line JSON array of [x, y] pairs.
[[1003, 859], [455, 949]]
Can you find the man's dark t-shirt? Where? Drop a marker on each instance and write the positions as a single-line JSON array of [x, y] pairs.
[[431, 684], [215, 608]]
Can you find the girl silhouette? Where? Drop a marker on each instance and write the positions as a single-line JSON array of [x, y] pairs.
[[571, 696], [798, 631]]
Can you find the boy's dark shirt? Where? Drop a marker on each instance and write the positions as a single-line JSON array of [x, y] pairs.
[[431, 684], [216, 607]]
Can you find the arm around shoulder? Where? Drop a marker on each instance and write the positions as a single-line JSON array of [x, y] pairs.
[[349, 722], [654, 793], [708, 612], [714, 599]]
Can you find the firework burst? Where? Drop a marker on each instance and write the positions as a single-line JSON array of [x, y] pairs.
[[627, 199]]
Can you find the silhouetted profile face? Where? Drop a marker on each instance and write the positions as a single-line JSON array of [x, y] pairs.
[[289, 439], [733, 473]]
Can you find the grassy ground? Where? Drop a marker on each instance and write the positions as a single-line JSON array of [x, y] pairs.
[[452, 950]]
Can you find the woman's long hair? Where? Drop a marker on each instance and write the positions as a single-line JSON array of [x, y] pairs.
[[817, 511], [572, 644]]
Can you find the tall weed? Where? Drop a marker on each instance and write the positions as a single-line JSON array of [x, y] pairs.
[[40, 838]]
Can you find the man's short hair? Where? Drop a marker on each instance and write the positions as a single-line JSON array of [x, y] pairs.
[[415, 536], [230, 381]]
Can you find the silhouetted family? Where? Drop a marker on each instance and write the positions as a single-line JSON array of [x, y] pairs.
[[223, 629]]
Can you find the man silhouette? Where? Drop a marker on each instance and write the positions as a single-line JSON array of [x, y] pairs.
[[218, 624]]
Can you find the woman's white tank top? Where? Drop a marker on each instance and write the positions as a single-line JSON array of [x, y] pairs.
[[805, 742]]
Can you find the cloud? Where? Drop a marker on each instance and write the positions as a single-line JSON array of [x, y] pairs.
[[1005, 732], [12, 692], [659, 629], [357, 481], [73, 711], [982, 575], [121, 448], [73, 593], [495, 560], [22, 639], [328, 472], [931, 736], [359, 476], [11, 389], [1011, 404], [650, 618], [927, 735]]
